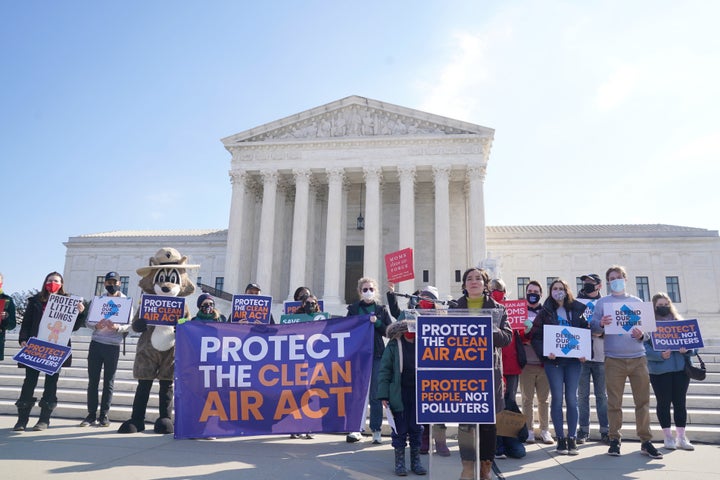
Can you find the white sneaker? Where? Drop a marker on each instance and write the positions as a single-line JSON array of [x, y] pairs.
[[684, 443], [531, 437], [353, 437], [546, 437], [670, 443], [377, 438]]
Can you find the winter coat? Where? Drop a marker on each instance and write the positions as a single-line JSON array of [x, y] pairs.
[[502, 336], [658, 365], [391, 367], [548, 316], [9, 323]]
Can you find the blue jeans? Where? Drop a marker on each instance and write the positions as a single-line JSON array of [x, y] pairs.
[[597, 371], [564, 375]]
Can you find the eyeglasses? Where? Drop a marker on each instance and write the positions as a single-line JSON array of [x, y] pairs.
[[368, 289]]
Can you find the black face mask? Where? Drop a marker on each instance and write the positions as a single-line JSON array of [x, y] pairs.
[[532, 298], [310, 307], [662, 311], [111, 289], [588, 288]]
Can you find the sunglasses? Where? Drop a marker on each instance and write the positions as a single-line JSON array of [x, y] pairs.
[[311, 304], [208, 304], [368, 289]]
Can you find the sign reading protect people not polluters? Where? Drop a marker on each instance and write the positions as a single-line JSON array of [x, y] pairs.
[[115, 309], [676, 334], [455, 378], [628, 315]]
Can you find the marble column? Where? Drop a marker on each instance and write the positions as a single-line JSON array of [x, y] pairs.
[[267, 231], [371, 251], [441, 180], [476, 214], [333, 236], [406, 224], [233, 252], [299, 251]]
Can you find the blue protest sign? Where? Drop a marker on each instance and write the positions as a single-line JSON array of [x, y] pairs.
[[676, 334], [43, 356]]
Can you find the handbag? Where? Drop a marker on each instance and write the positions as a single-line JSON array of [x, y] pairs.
[[695, 373]]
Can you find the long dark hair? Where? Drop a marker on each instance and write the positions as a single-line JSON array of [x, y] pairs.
[[569, 297], [44, 295]]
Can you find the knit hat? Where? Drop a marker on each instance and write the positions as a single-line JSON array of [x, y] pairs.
[[202, 298]]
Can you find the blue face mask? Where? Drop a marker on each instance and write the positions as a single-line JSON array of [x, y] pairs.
[[617, 285]]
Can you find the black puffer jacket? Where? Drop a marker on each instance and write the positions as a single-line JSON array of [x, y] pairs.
[[548, 316]]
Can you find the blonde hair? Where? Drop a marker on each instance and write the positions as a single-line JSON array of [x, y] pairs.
[[673, 310], [373, 283]]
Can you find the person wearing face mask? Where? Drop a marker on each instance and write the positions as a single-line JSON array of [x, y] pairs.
[[624, 359], [593, 367], [563, 373], [533, 379], [104, 352], [207, 311], [368, 304], [668, 379], [476, 296], [53, 284], [396, 389]]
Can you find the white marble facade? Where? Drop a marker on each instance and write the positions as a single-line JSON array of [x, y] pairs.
[[299, 184]]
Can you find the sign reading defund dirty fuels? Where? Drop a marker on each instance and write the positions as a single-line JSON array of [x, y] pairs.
[[455, 370]]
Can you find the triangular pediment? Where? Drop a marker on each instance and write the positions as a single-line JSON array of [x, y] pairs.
[[354, 117]]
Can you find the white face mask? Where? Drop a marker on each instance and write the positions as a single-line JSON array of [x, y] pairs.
[[617, 285], [558, 295], [368, 295]]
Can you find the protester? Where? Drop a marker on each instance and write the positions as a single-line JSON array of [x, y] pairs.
[[301, 292], [624, 359], [380, 318], [533, 379], [207, 311], [668, 379], [593, 367], [513, 355], [476, 296], [396, 389], [103, 353], [7, 316], [563, 373], [512, 446], [254, 289], [53, 284]]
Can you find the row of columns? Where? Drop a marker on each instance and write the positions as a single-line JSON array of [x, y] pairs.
[[475, 217]]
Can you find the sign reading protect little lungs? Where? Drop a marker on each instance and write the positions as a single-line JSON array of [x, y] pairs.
[[58, 320]]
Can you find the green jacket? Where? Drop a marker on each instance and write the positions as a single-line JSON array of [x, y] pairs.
[[389, 382], [7, 324]]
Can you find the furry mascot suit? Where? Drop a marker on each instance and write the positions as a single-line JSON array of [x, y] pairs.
[[155, 352]]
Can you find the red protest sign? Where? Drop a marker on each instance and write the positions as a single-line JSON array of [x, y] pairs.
[[517, 313], [399, 265]]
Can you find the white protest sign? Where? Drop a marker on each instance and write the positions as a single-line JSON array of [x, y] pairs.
[[628, 315], [566, 341], [58, 320], [115, 309]]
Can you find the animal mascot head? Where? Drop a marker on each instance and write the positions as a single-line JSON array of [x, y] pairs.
[[166, 275]]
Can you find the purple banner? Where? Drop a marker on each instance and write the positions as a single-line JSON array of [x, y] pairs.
[[43, 356], [244, 379]]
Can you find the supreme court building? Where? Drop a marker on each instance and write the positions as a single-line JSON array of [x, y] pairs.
[[318, 199]]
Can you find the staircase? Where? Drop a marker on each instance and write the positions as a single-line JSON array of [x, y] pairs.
[[703, 399]]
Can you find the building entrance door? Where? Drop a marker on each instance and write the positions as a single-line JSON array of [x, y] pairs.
[[354, 256]]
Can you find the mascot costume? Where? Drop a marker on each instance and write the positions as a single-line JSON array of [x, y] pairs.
[[155, 352]]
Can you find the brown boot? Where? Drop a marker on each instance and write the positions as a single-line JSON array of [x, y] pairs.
[[441, 447], [486, 469], [468, 471]]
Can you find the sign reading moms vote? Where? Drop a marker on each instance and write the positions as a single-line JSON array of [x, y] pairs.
[[400, 266], [677, 334], [250, 309], [58, 319], [455, 370], [42, 356], [115, 309], [160, 310], [233, 380], [517, 313], [564, 341], [626, 316]]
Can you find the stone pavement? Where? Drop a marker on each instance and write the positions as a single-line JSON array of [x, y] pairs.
[[68, 451]]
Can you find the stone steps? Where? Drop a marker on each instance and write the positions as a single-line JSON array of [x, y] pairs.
[[703, 397]]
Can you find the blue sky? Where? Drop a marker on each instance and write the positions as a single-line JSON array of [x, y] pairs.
[[111, 113]]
